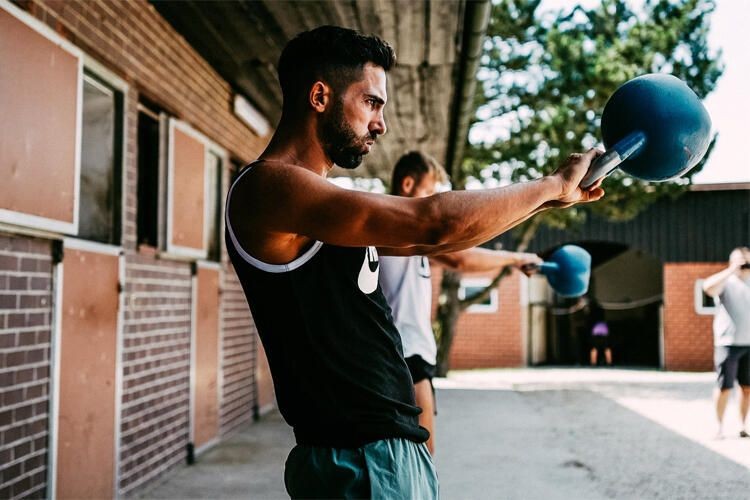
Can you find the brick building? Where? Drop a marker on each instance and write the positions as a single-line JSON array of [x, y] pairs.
[[126, 344], [646, 275], [98, 311]]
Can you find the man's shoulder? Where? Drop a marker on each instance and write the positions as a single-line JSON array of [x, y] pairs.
[[264, 170], [269, 182], [260, 206]]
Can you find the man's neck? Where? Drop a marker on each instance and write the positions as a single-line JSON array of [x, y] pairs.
[[296, 142]]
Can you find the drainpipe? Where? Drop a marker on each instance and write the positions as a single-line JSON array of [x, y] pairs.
[[476, 19]]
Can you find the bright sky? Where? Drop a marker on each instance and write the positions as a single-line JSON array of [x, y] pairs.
[[729, 104]]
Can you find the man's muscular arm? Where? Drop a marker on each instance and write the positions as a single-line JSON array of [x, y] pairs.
[[282, 199]]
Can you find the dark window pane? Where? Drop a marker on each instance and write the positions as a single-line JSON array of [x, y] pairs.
[[470, 291], [99, 196], [148, 179]]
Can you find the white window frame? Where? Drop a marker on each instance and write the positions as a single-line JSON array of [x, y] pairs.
[[698, 300], [220, 196], [492, 307], [35, 221], [179, 251]]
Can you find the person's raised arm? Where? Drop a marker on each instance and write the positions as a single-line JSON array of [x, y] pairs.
[[714, 284], [288, 199]]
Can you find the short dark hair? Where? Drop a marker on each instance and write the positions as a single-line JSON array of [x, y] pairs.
[[330, 53], [415, 164]]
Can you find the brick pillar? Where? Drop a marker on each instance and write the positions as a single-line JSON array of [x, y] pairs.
[[688, 336]]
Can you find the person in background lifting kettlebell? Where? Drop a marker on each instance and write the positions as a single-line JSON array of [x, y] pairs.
[[731, 291], [407, 284]]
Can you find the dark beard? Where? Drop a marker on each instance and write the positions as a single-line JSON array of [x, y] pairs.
[[339, 141]]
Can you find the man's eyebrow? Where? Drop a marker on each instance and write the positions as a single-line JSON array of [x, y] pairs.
[[377, 99]]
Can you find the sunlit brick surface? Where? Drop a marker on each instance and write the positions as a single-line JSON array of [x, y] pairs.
[[688, 336]]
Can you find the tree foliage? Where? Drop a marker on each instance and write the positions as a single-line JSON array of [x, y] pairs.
[[546, 77]]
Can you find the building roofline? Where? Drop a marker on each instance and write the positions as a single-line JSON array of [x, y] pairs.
[[723, 186]]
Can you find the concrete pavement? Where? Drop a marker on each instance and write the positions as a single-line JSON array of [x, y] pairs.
[[528, 434]]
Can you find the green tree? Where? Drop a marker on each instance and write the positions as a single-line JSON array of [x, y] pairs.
[[544, 78]]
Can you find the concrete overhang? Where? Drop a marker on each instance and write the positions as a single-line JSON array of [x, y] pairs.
[[435, 44]]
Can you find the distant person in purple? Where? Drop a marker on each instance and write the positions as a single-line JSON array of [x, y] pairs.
[[600, 339]]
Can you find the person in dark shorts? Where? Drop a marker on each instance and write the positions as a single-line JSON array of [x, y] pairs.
[[731, 291], [306, 253], [600, 343], [407, 283]]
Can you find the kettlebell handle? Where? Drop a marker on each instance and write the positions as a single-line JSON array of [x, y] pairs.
[[548, 267], [628, 146]]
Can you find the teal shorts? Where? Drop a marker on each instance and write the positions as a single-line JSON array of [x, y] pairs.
[[387, 469]]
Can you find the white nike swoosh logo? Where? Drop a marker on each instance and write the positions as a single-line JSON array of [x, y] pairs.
[[368, 278]]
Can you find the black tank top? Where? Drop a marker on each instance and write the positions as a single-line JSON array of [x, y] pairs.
[[335, 355]]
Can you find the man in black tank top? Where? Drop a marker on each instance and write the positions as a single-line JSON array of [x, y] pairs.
[[306, 253]]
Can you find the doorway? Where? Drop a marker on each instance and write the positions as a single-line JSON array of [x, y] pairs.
[[625, 292]]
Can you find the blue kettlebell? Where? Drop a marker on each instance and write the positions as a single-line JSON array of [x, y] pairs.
[[568, 270], [654, 127]]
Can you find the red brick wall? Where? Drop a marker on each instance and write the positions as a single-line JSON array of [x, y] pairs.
[[25, 332], [156, 369], [688, 336], [488, 340]]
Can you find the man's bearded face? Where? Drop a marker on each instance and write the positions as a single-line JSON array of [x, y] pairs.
[[340, 142]]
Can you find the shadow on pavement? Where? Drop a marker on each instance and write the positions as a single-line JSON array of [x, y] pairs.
[[246, 465]]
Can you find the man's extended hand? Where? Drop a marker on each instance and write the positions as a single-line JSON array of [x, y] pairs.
[[570, 174]]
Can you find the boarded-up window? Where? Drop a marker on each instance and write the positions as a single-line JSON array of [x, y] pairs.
[[187, 194], [194, 188], [40, 98]]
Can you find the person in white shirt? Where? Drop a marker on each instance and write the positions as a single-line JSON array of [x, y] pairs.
[[407, 285], [731, 291]]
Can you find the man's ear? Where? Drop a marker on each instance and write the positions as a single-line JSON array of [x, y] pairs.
[[407, 185], [320, 96]]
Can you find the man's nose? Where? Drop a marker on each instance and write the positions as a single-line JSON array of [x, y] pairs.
[[378, 125]]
